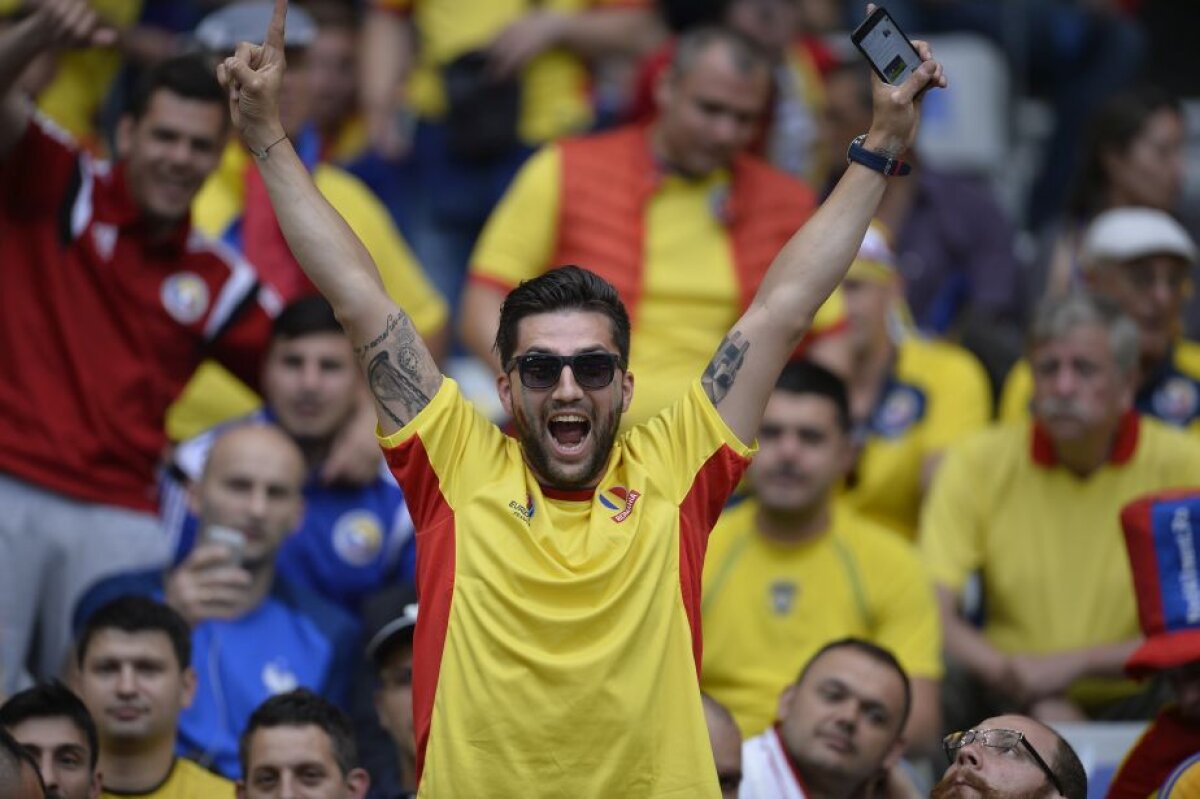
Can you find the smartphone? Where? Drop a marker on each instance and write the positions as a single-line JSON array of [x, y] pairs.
[[228, 537], [885, 46]]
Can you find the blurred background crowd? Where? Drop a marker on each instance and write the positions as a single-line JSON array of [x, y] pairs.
[[951, 469]]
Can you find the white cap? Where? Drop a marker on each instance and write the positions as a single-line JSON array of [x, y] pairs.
[[226, 28], [1124, 234]]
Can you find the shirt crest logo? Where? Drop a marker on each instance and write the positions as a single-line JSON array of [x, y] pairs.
[[104, 237], [185, 297], [357, 537], [522, 512], [783, 596], [277, 678], [620, 499], [1176, 401], [903, 407]]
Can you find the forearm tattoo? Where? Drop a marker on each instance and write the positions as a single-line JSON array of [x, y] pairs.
[[394, 373], [723, 368]]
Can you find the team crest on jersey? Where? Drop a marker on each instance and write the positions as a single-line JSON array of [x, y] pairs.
[[277, 678], [357, 537], [185, 296], [522, 512], [783, 596], [1176, 401], [901, 409], [620, 499], [104, 237]]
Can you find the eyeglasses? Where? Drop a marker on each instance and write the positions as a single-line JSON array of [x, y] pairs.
[[541, 370], [1005, 740]]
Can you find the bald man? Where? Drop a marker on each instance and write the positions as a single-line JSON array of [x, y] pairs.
[[254, 633], [1011, 757]]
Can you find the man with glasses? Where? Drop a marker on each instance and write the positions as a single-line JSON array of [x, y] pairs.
[[558, 642], [1141, 258], [1010, 757], [1034, 510]]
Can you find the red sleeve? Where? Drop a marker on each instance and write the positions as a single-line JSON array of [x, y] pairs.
[[36, 175]]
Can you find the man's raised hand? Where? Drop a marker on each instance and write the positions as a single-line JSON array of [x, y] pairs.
[[73, 23], [252, 76], [897, 109]]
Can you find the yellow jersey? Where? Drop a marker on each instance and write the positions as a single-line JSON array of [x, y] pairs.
[[936, 394], [1048, 543], [557, 651], [768, 606], [186, 780]]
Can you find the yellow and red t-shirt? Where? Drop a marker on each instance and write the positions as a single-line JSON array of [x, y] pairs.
[[554, 84], [1048, 543], [689, 291], [768, 606], [559, 640]]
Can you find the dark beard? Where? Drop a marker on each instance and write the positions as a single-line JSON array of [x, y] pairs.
[[539, 461]]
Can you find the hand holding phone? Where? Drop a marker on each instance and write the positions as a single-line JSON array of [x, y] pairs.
[[891, 54]]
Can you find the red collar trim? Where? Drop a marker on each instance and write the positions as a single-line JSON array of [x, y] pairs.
[[580, 495], [787, 758], [1041, 447]]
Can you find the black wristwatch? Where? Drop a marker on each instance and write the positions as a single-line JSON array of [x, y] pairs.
[[885, 164]]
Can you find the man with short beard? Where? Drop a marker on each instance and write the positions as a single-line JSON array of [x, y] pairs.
[[1010, 757], [558, 640], [1034, 509]]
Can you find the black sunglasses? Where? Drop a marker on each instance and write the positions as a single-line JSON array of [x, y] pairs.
[[541, 370], [999, 739]]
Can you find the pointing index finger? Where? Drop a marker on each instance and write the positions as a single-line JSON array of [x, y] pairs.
[[275, 29]]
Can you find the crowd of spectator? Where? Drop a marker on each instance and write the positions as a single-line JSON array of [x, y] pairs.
[[970, 515]]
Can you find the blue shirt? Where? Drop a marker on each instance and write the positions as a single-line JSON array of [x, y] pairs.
[[352, 542], [293, 638]]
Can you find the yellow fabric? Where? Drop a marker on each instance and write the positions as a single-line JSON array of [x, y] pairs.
[[84, 77], [938, 394], [350, 142], [186, 781], [1018, 385], [1049, 546], [554, 85], [567, 665], [213, 394], [769, 606], [690, 290], [1184, 782]]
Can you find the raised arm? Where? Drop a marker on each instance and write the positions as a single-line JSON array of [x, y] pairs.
[[53, 23], [809, 267], [400, 372]]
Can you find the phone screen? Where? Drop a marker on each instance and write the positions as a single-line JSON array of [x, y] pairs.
[[886, 47]]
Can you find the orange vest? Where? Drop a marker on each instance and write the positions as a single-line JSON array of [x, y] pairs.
[[607, 181]]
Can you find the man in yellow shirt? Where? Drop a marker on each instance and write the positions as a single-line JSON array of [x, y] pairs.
[[559, 569], [1142, 259], [676, 216], [910, 396], [1033, 508], [791, 570], [135, 676], [466, 89]]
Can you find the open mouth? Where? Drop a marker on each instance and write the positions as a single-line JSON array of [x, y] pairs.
[[569, 432]]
